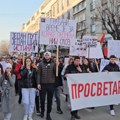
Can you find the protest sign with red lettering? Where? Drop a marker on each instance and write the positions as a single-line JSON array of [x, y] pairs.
[[93, 89], [78, 48], [57, 31], [23, 42]]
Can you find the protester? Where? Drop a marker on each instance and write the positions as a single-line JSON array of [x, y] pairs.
[[46, 83], [73, 68], [7, 81], [112, 67], [93, 65], [37, 99], [18, 78], [29, 85], [1, 75], [86, 66], [65, 87], [58, 85]]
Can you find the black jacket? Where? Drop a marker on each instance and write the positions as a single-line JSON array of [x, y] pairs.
[[46, 72], [58, 81], [72, 68], [112, 67], [29, 78]]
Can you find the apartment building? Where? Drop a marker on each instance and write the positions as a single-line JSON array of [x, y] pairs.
[[85, 12], [51, 9]]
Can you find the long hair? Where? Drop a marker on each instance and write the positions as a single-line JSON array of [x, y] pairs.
[[30, 60], [1, 69]]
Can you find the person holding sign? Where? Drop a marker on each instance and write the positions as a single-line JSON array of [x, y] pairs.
[[112, 67], [46, 83], [75, 67]]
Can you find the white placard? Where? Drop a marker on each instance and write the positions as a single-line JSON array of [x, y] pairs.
[[90, 40], [95, 52], [114, 48], [23, 42], [93, 89], [57, 31], [78, 48]]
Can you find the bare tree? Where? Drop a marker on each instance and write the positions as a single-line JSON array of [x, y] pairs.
[[4, 48], [109, 14]]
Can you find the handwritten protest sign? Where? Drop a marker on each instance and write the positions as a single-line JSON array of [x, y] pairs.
[[114, 48], [57, 31], [23, 42], [90, 40], [78, 48], [95, 52]]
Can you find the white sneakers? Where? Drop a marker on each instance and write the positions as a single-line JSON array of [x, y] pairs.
[[112, 112], [8, 116], [25, 117], [30, 118]]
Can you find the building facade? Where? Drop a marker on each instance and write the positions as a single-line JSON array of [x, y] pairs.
[[85, 12], [51, 9]]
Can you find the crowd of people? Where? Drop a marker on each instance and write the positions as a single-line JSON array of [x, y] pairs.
[[32, 78]]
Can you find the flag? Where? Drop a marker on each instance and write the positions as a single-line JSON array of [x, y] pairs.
[[102, 38]]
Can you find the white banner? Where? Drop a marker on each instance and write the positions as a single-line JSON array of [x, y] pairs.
[[93, 89], [105, 62], [114, 48], [57, 31], [23, 42]]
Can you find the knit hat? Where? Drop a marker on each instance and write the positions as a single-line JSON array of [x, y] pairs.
[[7, 65], [47, 53]]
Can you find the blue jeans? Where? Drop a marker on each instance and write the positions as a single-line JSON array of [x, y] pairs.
[[57, 96], [28, 99]]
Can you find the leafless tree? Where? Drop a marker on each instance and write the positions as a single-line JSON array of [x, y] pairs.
[[4, 48], [109, 14]]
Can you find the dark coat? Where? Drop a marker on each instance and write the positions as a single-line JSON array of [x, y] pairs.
[[29, 80], [46, 72], [112, 67], [59, 81], [72, 68]]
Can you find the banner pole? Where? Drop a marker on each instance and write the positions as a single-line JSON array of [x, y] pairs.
[[23, 59], [88, 51], [96, 65], [57, 59]]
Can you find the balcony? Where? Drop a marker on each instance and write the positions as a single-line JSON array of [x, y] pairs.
[[79, 7]]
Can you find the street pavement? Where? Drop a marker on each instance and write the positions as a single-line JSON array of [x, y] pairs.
[[99, 113]]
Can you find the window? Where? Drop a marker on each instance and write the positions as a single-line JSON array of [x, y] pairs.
[[58, 7], [62, 4], [92, 5], [93, 28], [68, 3], [68, 15], [81, 25], [79, 7], [104, 2]]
